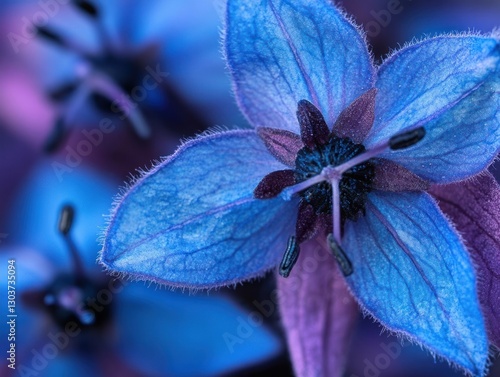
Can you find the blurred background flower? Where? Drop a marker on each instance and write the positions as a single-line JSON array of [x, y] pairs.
[[62, 85], [107, 52], [390, 23], [71, 314]]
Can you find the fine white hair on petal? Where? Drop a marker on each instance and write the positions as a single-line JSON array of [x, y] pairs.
[[432, 36]]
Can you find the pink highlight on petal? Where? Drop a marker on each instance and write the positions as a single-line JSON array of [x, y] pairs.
[[283, 145], [24, 109], [318, 313], [473, 206]]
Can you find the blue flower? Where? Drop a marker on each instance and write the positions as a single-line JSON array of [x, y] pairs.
[[229, 206], [143, 64], [74, 320], [428, 17]]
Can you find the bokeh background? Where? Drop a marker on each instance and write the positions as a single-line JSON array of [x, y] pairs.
[[91, 94]]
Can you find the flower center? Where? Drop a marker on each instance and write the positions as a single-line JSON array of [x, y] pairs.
[[354, 185], [332, 175]]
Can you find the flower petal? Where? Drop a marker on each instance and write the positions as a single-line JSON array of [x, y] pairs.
[[193, 220], [473, 208], [412, 273], [193, 335], [318, 313], [34, 214], [282, 51], [33, 272], [451, 86], [68, 364], [355, 121]]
